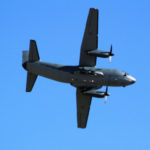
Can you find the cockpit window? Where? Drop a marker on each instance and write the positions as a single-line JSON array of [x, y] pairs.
[[125, 74]]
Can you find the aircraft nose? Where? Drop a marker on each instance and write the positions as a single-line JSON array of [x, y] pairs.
[[132, 79]]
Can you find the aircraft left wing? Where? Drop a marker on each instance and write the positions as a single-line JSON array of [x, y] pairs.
[[90, 39], [83, 107]]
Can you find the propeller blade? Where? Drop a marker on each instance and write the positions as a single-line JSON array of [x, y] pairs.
[[110, 59], [106, 94], [105, 99], [111, 48], [110, 54], [106, 89]]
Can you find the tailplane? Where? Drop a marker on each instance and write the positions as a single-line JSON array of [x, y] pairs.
[[31, 78], [29, 57]]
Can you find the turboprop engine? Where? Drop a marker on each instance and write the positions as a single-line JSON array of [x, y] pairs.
[[101, 53], [99, 94]]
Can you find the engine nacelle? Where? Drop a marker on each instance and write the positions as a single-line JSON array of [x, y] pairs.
[[95, 93], [100, 53]]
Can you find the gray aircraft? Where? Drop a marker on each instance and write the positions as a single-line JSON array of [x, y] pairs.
[[85, 77]]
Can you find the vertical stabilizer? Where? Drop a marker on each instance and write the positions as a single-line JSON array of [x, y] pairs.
[[33, 52]]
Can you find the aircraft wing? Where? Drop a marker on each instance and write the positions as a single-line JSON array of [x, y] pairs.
[[90, 39], [83, 107]]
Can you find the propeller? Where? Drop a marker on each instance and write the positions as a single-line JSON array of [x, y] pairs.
[[110, 58], [106, 94], [105, 99], [110, 54]]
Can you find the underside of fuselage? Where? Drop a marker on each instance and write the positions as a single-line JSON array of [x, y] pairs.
[[77, 76]]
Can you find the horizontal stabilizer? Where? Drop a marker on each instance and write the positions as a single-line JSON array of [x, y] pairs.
[[31, 78]]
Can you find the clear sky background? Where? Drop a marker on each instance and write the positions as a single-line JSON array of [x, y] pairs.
[[46, 117]]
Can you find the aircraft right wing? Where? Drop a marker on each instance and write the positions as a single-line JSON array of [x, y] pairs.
[[90, 39]]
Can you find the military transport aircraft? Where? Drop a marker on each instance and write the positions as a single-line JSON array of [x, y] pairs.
[[85, 77]]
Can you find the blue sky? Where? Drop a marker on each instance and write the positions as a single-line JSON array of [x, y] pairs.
[[46, 117]]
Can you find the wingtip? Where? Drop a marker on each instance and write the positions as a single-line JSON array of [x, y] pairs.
[[81, 127], [93, 9], [32, 41]]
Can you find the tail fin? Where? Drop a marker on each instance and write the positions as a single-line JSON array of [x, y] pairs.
[[30, 56], [33, 52]]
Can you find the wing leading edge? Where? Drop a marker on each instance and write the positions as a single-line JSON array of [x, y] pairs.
[[90, 39], [83, 108]]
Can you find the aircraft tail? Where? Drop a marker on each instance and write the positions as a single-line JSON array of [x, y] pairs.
[[31, 78], [30, 56]]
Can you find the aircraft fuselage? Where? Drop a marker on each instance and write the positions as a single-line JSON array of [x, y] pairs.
[[78, 76]]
